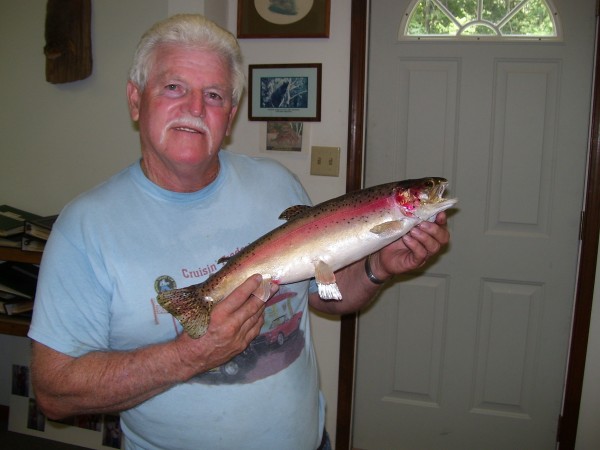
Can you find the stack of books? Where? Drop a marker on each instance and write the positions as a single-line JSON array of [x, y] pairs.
[[37, 232], [18, 282], [12, 225], [23, 229]]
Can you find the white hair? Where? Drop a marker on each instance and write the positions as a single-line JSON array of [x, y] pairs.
[[194, 31]]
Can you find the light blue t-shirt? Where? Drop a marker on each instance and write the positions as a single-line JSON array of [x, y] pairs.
[[115, 247]]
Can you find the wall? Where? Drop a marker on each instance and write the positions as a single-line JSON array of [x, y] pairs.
[[57, 141]]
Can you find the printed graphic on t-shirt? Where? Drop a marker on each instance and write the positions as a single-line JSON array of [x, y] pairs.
[[279, 344]]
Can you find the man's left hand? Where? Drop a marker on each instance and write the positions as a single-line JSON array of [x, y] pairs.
[[412, 250]]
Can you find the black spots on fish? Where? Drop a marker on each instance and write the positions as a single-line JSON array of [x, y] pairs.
[[357, 200]]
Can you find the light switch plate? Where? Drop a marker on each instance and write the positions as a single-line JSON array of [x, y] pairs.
[[325, 161]]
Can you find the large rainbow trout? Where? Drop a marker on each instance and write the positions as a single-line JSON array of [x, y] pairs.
[[314, 242]]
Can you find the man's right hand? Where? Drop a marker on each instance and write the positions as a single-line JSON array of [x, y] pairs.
[[234, 323]]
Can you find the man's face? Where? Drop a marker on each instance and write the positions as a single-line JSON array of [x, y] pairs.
[[184, 112]]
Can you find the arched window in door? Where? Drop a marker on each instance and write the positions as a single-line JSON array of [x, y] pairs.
[[480, 19]]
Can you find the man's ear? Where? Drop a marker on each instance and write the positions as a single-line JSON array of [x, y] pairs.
[[231, 117], [133, 100]]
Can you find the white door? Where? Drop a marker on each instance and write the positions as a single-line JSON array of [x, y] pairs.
[[471, 353]]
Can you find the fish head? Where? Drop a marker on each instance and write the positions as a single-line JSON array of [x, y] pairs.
[[423, 198]]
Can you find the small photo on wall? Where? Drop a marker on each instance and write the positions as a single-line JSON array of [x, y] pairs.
[[112, 431], [284, 136], [20, 380], [35, 418]]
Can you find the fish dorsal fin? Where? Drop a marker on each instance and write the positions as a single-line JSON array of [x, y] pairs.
[[389, 229], [293, 211], [223, 259]]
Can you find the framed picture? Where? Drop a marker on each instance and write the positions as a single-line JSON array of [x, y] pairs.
[[284, 136], [283, 18], [284, 92]]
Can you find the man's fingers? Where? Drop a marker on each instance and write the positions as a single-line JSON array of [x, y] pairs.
[[246, 304], [240, 295]]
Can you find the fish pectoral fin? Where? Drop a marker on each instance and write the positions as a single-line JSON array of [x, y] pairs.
[[293, 211], [263, 292], [189, 307], [325, 278], [389, 229]]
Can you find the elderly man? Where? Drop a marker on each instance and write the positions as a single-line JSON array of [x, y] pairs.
[[102, 344]]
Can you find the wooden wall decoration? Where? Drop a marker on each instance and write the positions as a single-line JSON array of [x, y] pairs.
[[68, 47]]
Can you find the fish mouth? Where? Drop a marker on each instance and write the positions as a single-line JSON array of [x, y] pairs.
[[430, 190], [435, 188], [433, 200], [423, 197]]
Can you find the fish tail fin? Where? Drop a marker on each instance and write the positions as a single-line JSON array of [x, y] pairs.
[[190, 307]]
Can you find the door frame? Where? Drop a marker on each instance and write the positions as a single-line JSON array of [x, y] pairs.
[[589, 236]]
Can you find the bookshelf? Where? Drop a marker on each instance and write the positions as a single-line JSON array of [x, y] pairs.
[[16, 326]]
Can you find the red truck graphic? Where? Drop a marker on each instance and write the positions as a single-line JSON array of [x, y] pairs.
[[281, 321], [281, 328]]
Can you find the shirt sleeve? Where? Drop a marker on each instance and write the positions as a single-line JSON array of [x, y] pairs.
[[72, 307]]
